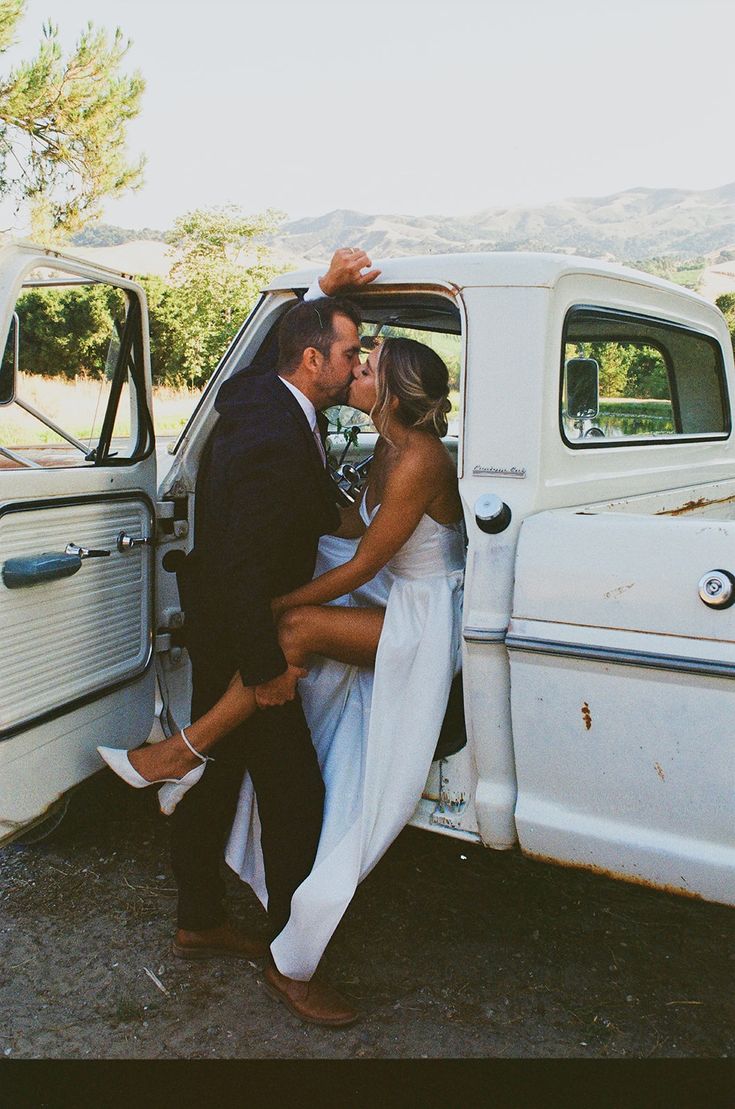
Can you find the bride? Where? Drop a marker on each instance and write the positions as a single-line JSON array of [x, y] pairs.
[[376, 636]]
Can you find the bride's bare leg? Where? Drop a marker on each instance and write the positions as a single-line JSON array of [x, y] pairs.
[[171, 757], [347, 634]]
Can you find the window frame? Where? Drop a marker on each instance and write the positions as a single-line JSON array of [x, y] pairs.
[[130, 362], [626, 316]]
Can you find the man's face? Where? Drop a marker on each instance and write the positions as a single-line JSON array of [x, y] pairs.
[[341, 363]]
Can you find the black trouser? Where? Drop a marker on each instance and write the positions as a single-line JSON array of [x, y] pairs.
[[275, 747]]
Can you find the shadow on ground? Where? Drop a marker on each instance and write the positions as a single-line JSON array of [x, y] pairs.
[[448, 950]]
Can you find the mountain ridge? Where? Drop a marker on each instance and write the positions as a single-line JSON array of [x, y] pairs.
[[633, 224]]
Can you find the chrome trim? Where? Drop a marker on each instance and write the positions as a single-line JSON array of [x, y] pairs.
[[484, 635], [622, 656]]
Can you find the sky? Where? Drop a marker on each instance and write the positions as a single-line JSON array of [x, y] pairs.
[[414, 106]]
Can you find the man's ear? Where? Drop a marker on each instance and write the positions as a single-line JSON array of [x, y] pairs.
[[312, 359]]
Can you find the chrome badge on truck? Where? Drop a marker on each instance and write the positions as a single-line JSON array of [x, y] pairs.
[[498, 471]]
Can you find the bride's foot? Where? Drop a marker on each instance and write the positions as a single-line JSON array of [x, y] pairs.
[[173, 776], [167, 760]]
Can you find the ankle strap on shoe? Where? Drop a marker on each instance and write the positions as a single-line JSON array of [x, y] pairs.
[[199, 755]]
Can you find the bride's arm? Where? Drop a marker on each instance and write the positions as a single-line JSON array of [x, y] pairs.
[[408, 491]]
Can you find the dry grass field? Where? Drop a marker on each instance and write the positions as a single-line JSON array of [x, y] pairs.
[[79, 406]]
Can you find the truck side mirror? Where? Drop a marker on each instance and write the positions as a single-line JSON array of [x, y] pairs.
[[583, 388], [9, 364]]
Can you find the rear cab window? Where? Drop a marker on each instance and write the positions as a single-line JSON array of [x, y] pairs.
[[656, 380]]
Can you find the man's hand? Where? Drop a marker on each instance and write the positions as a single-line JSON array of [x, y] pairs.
[[280, 689], [344, 271]]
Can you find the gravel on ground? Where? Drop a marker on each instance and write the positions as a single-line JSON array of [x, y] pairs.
[[448, 950]]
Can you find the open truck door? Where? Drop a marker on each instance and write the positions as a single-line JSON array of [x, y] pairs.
[[77, 520]]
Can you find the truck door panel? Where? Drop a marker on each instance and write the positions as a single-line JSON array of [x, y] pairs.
[[621, 698], [77, 635], [78, 467]]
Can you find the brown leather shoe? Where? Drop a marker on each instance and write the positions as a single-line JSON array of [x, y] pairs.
[[315, 1001], [222, 941]]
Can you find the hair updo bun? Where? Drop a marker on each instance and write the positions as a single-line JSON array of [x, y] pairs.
[[419, 379]]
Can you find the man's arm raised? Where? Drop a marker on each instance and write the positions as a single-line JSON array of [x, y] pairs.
[[344, 273]]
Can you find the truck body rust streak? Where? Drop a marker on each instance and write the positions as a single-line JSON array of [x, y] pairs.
[[692, 506], [586, 715], [618, 875]]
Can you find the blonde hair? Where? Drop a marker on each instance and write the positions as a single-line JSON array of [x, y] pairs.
[[417, 376]]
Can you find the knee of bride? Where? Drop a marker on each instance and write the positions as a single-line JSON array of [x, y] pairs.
[[292, 630]]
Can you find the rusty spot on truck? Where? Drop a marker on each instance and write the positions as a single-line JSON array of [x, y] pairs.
[[586, 715], [659, 771], [692, 506], [455, 802], [618, 875]]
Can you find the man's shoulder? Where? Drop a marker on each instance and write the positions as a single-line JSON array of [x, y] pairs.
[[249, 387]]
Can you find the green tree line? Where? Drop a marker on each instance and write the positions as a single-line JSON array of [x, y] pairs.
[[626, 369], [193, 314]]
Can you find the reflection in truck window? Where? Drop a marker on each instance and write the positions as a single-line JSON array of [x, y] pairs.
[[656, 379]]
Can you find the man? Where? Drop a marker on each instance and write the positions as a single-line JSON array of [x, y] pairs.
[[263, 499]]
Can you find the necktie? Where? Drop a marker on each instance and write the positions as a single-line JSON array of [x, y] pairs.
[[320, 445]]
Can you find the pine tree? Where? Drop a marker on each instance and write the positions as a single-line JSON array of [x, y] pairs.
[[63, 123]]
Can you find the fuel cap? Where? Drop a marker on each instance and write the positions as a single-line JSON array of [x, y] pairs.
[[491, 514], [717, 588]]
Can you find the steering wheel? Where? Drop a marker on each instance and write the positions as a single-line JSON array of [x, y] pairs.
[[348, 480]]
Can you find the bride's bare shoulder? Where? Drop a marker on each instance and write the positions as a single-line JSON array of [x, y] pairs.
[[428, 452]]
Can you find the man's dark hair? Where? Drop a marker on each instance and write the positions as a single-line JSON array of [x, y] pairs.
[[311, 324]]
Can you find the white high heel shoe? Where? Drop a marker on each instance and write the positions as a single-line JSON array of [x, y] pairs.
[[172, 789], [171, 793]]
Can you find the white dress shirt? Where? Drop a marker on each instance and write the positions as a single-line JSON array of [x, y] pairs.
[[310, 412]]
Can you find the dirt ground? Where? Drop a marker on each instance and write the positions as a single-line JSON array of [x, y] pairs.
[[448, 950]]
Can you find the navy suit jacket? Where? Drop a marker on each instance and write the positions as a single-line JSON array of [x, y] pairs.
[[263, 499]]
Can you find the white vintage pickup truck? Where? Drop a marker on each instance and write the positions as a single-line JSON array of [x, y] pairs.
[[594, 448]]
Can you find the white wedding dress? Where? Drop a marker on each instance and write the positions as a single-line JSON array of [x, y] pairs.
[[374, 731]]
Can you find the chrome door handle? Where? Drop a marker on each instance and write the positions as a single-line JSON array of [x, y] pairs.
[[126, 542], [84, 552]]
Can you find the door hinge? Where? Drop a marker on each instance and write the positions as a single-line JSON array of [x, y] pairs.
[[168, 524]]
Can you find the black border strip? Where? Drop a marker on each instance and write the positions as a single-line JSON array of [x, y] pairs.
[[97, 694]]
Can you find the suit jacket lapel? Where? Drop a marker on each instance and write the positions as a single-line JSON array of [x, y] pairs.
[[286, 398]]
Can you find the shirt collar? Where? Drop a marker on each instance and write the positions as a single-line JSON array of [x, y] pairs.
[[306, 406]]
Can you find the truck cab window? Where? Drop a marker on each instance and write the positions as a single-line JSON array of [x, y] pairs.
[[351, 433], [656, 380], [78, 392]]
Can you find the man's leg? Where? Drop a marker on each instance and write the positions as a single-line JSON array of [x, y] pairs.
[[202, 819], [290, 793]]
